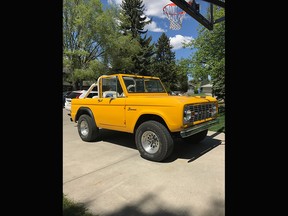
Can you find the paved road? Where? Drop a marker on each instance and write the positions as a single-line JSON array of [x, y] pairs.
[[111, 178]]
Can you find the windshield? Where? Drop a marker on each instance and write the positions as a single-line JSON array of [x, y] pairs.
[[143, 85]]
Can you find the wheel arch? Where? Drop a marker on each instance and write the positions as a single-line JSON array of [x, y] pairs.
[[147, 117], [84, 110]]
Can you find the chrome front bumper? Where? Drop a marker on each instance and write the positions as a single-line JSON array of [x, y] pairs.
[[197, 128]]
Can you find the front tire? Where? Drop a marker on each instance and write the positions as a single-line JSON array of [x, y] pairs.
[[153, 141], [87, 129]]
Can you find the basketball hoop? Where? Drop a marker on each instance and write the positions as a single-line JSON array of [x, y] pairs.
[[175, 15]]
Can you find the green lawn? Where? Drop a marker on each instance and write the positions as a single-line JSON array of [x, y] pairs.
[[71, 208], [220, 127]]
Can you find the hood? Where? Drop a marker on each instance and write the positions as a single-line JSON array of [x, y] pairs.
[[193, 99], [170, 100]]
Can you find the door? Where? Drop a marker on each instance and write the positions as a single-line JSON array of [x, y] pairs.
[[111, 106]]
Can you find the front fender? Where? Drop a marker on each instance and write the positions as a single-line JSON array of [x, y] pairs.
[[84, 110]]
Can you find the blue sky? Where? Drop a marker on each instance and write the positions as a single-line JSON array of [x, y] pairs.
[[160, 24]]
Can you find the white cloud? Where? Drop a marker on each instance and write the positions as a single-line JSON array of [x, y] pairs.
[[155, 8], [177, 41], [118, 2], [153, 27], [152, 7]]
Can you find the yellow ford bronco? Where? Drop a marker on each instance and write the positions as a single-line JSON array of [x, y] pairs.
[[140, 105]]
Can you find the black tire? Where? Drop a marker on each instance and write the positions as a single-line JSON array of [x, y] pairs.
[[87, 129], [197, 138], [152, 131]]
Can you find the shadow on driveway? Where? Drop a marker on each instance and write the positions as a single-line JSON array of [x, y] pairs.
[[182, 149], [215, 207]]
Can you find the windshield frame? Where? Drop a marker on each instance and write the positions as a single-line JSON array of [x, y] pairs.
[[143, 84]]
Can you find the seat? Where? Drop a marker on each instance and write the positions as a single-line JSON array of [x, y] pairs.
[[110, 94]]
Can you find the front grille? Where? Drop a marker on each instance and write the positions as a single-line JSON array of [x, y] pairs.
[[201, 111]]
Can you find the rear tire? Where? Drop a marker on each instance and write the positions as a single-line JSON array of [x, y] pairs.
[[87, 129], [154, 141]]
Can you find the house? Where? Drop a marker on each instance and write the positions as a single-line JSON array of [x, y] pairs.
[[207, 89], [66, 86], [191, 87]]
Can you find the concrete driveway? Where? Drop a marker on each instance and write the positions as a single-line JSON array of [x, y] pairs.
[[111, 179]]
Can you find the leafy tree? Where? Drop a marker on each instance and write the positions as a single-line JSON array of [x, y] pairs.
[[93, 43], [119, 48], [133, 20], [120, 54], [164, 64], [209, 57], [182, 75], [81, 42]]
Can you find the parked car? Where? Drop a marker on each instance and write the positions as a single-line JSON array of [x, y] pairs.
[[65, 94], [73, 94], [77, 94], [91, 94]]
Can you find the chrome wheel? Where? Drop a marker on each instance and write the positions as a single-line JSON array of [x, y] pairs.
[[150, 142], [153, 141], [84, 128], [87, 129]]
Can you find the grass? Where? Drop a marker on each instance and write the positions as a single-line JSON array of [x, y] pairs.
[[71, 208], [220, 127]]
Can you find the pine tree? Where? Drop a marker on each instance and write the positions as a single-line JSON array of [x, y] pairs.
[[143, 59], [134, 21], [164, 62]]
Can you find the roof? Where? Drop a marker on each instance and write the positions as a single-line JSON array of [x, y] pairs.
[[207, 85]]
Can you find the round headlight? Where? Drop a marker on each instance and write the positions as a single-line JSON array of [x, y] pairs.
[[214, 109], [187, 115]]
